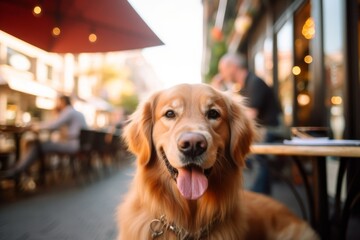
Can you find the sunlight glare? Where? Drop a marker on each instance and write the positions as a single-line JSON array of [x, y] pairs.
[[179, 25]]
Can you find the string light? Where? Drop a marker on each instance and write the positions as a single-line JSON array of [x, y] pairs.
[[296, 70], [308, 29], [308, 59], [336, 100], [37, 10], [303, 99], [92, 37], [56, 31]]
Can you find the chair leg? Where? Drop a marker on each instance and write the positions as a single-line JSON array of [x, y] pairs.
[[74, 163]]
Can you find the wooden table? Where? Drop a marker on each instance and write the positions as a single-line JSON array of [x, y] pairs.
[[301, 150], [319, 198]]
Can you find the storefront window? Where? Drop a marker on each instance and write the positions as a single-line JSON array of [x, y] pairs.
[[302, 71], [263, 62], [260, 50], [284, 40], [334, 63]]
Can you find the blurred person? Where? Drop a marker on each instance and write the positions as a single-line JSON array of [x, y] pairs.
[[262, 104], [69, 118]]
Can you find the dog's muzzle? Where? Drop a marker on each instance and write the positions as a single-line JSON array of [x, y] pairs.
[[191, 178]]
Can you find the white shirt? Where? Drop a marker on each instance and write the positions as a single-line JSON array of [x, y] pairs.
[[72, 119]]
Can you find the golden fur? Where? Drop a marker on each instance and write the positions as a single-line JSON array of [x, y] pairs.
[[223, 210]]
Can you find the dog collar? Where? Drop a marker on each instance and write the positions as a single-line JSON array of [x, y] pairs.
[[159, 226]]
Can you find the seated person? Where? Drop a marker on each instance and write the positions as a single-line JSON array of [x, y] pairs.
[[68, 117], [263, 106]]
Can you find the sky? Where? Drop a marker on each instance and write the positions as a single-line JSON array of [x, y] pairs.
[[178, 23]]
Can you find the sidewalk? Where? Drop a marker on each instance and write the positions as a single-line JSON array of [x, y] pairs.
[[69, 212], [80, 212]]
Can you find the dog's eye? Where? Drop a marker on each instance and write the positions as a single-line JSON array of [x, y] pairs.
[[170, 114], [212, 114]]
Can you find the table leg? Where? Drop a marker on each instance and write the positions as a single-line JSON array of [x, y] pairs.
[[321, 197], [351, 206], [308, 189]]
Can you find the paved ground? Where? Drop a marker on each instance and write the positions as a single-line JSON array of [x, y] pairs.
[[80, 212], [74, 212]]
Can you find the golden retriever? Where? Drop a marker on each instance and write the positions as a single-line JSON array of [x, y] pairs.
[[190, 142]]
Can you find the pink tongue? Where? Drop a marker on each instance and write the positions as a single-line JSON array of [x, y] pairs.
[[191, 182]]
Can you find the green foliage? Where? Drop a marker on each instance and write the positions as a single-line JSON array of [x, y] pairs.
[[217, 51], [129, 102], [219, 48]]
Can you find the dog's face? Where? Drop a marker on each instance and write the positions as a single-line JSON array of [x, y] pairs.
[[195, 130]]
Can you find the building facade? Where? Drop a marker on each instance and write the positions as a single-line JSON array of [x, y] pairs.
[[308, 50], [99, 83]]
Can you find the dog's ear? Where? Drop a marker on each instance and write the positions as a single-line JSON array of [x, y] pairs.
[[138, 132], [242, 130]]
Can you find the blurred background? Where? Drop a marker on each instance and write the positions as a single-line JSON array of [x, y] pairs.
[[305, 50], [103, 84], [109, 55]]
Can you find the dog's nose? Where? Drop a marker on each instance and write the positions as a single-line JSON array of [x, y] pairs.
[[192, 144]]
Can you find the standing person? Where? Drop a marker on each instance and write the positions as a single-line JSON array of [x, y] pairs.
[[263, 106], [68, 117]]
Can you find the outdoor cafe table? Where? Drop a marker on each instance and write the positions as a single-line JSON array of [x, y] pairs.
[[16, 131], [318, 153]]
